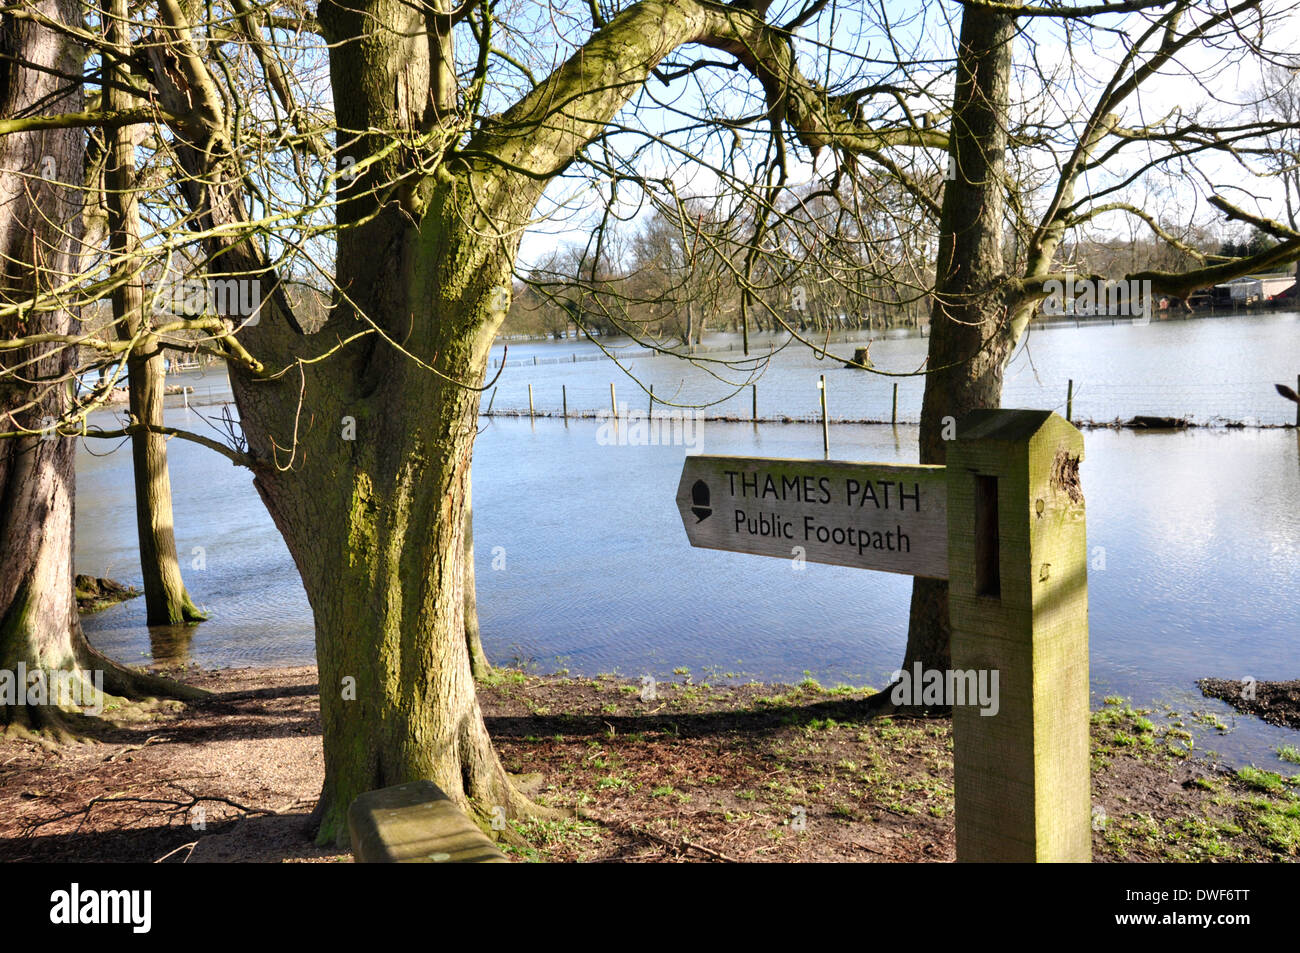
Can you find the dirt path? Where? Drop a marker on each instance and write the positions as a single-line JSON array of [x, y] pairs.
[[700, 772]]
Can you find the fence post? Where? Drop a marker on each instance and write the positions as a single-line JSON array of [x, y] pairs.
[[564, 398], [488, 412], [1069, 401], [1018, 605], [652, 401], [613, 407], [826, 430], [753, 388], [530, 400], [893, 414]]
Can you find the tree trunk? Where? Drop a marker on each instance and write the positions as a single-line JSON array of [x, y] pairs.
[[426, 236], [968, 342], [479, 665], [39, 233], [397, 692], [166, 600], [39, 217]]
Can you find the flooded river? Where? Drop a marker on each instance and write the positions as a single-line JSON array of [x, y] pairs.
[[1194, 536]]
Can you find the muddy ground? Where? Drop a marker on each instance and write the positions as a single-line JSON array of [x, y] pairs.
[[710, 772], [1278, 703]]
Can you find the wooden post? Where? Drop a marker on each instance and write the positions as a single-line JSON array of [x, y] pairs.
[[753, 391], [1069, 401], [488, 412], [530, 400], [826, 430], [613, 407], [564, 400], [652, 401], [1018, 604], [893, 414]]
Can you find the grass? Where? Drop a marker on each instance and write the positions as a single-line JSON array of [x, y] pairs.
[[887, 773], [1239, 814], [1270, 782], [545, 835], [1278, 825], [504, 676]]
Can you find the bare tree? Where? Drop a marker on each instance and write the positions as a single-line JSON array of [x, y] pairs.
[[40, 228], [983, 302], [453, 128], [440, 169], [167, 602]]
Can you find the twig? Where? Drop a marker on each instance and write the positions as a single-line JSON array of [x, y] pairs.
[[687, 844], [148, 741], [176, 807], [191, 847]]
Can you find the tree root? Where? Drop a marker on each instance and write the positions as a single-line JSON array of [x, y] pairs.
[[51, 726], [46, 725], [190, 613], [117, 695], [331, 822], [131, 683]]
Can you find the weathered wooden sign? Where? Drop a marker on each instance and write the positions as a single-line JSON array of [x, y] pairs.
[[1004, 524], [865, 515]]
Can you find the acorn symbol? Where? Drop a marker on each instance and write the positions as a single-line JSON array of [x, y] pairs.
[[700, 497]]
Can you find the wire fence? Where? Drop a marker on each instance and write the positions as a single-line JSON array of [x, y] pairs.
[[1154, 406], [841, 336], [623, 354]]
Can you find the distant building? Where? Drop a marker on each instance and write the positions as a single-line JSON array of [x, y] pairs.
[[1252, 289]]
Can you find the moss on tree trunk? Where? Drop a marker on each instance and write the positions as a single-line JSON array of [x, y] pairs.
[[478, 660], [375, 511], [39, 231], [166, 600]]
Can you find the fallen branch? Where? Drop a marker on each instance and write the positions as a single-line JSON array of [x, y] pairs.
[[191, 845], [148, 741], [175, 808], [685, 844]]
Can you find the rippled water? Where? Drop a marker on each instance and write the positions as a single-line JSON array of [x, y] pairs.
[[1206, 369], [1199, 533]]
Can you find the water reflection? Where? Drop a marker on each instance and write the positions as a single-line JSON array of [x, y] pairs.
[[1199, 533], [169, 645]]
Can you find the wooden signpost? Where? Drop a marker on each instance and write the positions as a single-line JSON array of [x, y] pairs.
[[1003, 522], [864, 515]]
